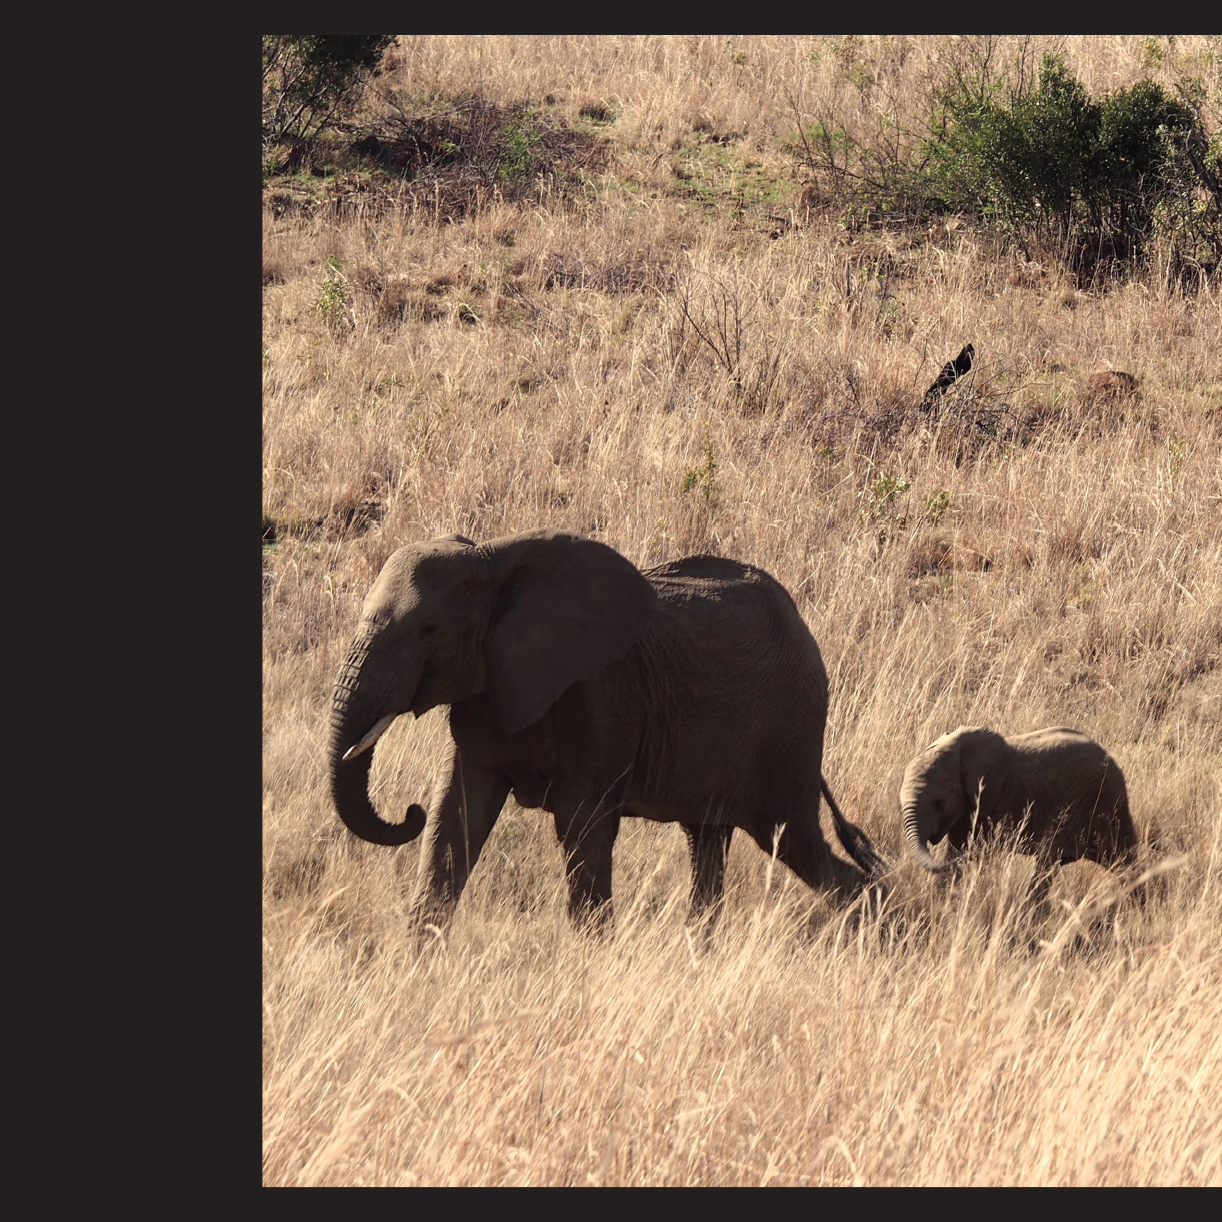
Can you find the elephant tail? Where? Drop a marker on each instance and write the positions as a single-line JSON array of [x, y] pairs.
[[854, 841]]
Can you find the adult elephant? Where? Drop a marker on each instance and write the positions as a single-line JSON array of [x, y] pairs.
[[691, 693], [1059, 788]]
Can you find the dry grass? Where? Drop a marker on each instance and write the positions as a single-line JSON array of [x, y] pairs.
[[1055, 559]]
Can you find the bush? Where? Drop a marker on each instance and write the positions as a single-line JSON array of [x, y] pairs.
[[1033, 152], [311, 79], [1060, 165]]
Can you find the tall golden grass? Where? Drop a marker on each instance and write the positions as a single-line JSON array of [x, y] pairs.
[[1035, 552]]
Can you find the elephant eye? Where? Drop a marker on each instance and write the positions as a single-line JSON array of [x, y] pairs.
[[428, 628]]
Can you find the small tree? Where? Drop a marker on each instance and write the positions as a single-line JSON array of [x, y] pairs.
[[311, 79]]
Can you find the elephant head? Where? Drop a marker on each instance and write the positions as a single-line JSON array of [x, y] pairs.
[[510, 624], [942, 786]]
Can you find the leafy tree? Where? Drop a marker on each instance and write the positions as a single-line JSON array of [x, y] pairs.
[[1141, 133], [311, 79]]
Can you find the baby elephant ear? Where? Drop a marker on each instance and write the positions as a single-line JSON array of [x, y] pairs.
[[982, 756], [567, 608]]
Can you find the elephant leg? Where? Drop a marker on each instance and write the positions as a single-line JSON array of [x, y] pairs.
[[1038, 894], [959, 835], [708, 846], [1037, 898], [471, 799], [1112, 839], [806, 853], [587, 844]]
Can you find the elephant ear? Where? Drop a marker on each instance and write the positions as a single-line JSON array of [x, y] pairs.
[[940, 771], [567, 607], [981, 760]]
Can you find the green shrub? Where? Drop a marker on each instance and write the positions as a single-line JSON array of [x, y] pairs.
[[519, 139], [703, 479], [332, 303], [937, 503], [1060, 165], [880, 495], [1096, 178]]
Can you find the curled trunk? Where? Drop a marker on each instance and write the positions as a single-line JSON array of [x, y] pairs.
[[917, 837], [351, 723]]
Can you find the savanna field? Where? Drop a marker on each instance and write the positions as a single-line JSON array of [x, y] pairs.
[[604, 285]]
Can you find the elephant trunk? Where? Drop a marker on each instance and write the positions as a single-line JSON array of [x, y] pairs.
[[916, 836], [354, 729]]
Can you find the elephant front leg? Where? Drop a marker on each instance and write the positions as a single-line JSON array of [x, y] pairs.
[[959, 835], [588, 844], [471, 799], [708, 846], [1038, 907]]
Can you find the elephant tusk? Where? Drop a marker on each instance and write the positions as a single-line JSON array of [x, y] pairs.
[[372, 737]]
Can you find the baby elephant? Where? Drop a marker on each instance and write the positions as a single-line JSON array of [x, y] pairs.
[[1068, 789]]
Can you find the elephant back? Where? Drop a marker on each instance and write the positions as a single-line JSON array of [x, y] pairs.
[[704, 568], [753, 640]]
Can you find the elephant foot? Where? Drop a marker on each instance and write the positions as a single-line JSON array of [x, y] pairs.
[[429, 920]]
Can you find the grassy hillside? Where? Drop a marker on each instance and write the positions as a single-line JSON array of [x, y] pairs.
[[489, 305]]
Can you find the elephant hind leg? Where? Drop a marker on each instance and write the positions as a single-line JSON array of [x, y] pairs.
[[708, 846], [1113, 837], [588, 845], [807, 854]]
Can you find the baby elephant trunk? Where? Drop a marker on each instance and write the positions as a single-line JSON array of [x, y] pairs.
[[916, 836]]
